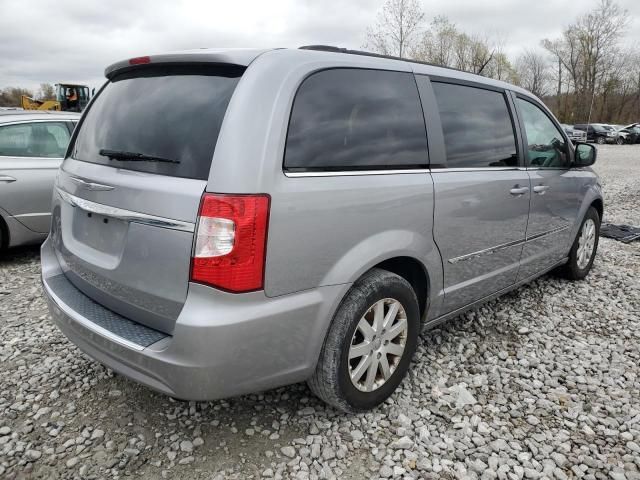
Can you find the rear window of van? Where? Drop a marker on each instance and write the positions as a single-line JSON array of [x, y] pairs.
[[167, 117]]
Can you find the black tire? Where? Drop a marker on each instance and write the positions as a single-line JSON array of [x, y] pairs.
[[4, 235], [571, 270], [619, 141], [600, 140], [331, 380]]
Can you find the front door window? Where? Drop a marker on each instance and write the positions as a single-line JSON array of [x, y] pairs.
[[546, 146]]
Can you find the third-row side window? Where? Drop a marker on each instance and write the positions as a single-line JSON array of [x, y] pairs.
[[477, 127], [356, 119]]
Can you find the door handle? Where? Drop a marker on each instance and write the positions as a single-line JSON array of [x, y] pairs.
[[518, 190], [540, 189], [7, 179]]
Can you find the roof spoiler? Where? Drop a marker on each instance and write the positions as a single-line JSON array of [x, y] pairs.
[[238, 58]]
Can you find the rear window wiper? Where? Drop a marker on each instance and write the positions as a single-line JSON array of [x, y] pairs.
[[133, 156]]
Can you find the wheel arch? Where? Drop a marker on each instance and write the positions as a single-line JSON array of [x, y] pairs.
[[598, 204], [414, 272]]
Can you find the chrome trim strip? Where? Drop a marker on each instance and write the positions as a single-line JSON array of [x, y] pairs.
[[477, 169], [61, 117], [39, 158], [348, 173], [23, 215], [126, 215], [88, 324], [490, 250], [486, 251], [548, 232]]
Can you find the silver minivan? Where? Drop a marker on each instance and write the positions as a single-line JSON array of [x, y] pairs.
[[229, 221]]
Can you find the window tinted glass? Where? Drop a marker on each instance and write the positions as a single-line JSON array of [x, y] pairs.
[[41, 139], [546, 146], [169, 112], [356, 119], [477, 127]]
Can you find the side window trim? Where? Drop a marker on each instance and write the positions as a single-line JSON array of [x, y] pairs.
[[435, 136], [513, 116], [515, 122], [542, 108], [354, 170]]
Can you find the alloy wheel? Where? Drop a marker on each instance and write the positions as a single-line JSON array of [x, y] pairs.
[[377, 345], [586, 243]]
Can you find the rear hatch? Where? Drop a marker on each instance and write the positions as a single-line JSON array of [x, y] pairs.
[[127, 197]]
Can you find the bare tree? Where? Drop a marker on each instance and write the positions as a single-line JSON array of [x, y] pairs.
[[585, 74], [443, 44], [46, 92], [397, 29], [10, 96], [438, 42], [588, 50], [532, 69]]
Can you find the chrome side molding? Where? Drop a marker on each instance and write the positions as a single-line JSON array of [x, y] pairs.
[[490, 250]]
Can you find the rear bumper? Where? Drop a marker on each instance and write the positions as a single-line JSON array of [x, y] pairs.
[[222, 344]]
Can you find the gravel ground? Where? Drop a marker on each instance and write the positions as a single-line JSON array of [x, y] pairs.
[[542, 383]]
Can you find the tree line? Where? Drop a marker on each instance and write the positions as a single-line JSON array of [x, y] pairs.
[[586, 73], [10, 96]]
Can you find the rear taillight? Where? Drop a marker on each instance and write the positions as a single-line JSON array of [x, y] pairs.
[[230, 244]]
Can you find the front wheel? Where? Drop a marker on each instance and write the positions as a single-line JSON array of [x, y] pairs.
[[370, 343], [600, 140], [619, 141], [584, 248]]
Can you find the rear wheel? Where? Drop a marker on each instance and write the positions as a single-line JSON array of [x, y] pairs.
[[370, 343], [585, 246]]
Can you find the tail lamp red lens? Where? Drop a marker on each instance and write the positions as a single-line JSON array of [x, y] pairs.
[[230, 245]]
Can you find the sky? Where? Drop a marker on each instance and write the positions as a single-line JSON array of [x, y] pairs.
[[51, 41]]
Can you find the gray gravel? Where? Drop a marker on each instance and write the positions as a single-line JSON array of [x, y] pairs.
[[543, 383]]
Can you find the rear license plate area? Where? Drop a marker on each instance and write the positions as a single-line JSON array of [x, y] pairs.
[[103, 233]]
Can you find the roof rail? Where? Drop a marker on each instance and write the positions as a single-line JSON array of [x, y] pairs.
[[331, 48]]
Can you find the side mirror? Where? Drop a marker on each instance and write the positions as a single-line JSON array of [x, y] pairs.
[[585, 155]]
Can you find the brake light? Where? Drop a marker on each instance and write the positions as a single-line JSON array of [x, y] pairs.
[[139, 60], [230, 246]]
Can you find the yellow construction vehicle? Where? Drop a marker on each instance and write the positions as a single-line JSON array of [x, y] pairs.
[[69, 98]]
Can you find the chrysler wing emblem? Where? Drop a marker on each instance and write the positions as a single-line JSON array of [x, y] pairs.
[[90, 185]]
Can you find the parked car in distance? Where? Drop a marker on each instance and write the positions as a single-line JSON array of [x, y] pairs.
[[597, 133], [632, 132], [618, 138], [622, 135], [32, 146], [574, 134], [303, 217]]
